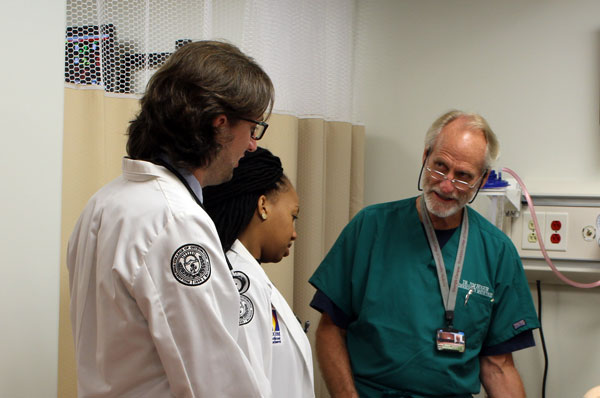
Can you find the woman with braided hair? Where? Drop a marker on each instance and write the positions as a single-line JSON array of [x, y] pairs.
[[255, 213]]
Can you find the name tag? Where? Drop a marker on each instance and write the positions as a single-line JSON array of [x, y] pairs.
[[450, 340]]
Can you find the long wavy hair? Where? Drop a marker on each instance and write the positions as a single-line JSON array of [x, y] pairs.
[[200, 81]]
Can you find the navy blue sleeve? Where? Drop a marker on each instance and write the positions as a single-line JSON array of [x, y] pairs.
[[322, 303], [518, 342]]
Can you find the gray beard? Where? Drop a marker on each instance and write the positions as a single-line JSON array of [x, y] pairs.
[[442, 213]]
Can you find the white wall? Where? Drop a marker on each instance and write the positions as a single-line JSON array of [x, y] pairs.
[[31, 115], [532, 68]]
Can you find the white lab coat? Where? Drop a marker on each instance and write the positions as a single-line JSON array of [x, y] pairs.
[[276, 342], [139, 329]]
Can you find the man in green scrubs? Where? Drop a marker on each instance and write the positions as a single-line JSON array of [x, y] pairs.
[[423, 297]]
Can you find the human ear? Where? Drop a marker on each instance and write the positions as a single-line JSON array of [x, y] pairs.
[[219, 120], [262, 208], [485, 178], [425, 154]]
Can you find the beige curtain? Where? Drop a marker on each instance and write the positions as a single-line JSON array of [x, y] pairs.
[[323, 159], [330, 186], [93, 144]]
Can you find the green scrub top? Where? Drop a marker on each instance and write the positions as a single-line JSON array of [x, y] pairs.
[[381, 273]]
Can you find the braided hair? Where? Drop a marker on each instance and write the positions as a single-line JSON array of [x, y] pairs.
[[232, 204]]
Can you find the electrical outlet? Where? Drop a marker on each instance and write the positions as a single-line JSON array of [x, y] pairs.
[[529, 240], [576, 238], [555, 231]]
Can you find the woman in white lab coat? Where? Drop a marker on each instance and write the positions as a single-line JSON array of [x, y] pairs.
[[255, 214]]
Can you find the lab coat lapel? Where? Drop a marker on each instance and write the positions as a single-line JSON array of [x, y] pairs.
[[293, 326]]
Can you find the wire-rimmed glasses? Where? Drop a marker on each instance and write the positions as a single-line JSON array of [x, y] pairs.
[[458, 184]]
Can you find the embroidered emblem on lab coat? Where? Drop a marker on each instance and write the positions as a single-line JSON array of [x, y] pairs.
[[246, 310], [190, 265], [276, 329], [242, 282]]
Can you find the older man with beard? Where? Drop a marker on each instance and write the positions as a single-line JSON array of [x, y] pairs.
[[423, 297]]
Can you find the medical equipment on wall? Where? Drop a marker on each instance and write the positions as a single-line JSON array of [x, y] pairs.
[[505, 203]]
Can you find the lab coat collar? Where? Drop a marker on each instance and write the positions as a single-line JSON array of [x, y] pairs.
[[141, 170], [189, 178], [238, 248]]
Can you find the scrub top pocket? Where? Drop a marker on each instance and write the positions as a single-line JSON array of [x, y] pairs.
[[473, 317]]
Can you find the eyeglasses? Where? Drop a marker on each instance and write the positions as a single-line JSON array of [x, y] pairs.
[[458, 184], [257, 131]]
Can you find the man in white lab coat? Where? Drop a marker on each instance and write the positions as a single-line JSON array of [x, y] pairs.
[[154, 307]]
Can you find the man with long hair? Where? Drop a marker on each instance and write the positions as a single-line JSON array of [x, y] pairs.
[[154, 307]]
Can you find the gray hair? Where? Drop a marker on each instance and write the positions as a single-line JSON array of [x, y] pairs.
[[475, 121]]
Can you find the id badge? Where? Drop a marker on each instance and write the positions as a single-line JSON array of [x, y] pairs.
[[450, 340]]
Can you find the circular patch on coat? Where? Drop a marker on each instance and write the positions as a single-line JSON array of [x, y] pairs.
[[190, 265], [242, 282], [246, 310]]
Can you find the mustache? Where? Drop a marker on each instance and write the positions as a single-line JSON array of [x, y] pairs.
[[452, 195]]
